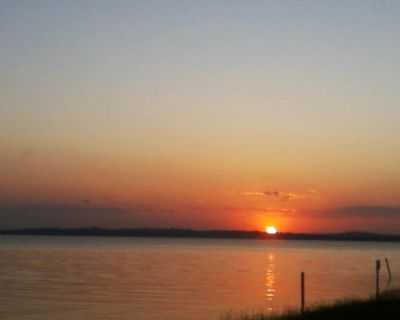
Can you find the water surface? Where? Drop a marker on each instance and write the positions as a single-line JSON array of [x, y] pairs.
[[173, 279]]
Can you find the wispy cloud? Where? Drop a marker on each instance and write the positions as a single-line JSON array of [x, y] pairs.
[[282, 211], [253, 193], [367, 211], [280, 195]]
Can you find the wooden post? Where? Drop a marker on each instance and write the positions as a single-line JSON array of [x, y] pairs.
[[389, 271], [302, 292], [378, 267]]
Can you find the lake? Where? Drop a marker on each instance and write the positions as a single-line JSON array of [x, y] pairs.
[[174, 279]]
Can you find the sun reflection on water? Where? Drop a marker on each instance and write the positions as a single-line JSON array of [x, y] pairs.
[[270, 281]]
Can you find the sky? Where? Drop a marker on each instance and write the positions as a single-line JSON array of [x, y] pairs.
[[200, 114]]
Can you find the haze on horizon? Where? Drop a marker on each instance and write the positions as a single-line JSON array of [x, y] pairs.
[[201, 114]]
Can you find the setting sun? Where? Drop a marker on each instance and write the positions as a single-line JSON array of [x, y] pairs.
[[271, 230]]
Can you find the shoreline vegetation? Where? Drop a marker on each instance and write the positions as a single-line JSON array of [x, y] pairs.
[[386, 307], [190, 233]]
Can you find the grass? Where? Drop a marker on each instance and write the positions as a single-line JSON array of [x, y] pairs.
[[387, 307]]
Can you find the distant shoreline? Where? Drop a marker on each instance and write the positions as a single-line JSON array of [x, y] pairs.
[[211, 234]]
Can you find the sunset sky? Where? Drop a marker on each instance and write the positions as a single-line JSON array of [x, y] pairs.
[[200, 114]]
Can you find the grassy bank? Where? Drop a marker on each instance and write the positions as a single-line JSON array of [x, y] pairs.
[[387, 307]]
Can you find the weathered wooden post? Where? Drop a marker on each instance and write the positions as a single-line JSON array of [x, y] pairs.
[[389, 271], [302, 292], [378, 267]]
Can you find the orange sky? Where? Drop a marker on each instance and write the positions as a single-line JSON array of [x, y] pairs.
[[202, 116], [194, 190]]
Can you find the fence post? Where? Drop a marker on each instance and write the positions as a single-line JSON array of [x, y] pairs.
[[378, 267], [389, 271], [302, 291]]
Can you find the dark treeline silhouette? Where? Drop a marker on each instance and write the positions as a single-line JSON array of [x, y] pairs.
[[189, 233]]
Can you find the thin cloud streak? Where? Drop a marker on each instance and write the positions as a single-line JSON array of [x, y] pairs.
[[280, 195], [367, 211]]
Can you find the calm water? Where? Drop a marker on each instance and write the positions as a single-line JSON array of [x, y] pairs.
[[144, 279]]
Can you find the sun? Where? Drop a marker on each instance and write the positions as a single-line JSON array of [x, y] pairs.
[[271, 230]]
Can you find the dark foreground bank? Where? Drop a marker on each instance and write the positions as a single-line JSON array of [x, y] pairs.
[[387, 307]]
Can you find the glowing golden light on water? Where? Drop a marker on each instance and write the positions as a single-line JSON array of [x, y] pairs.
[[271, 230]]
